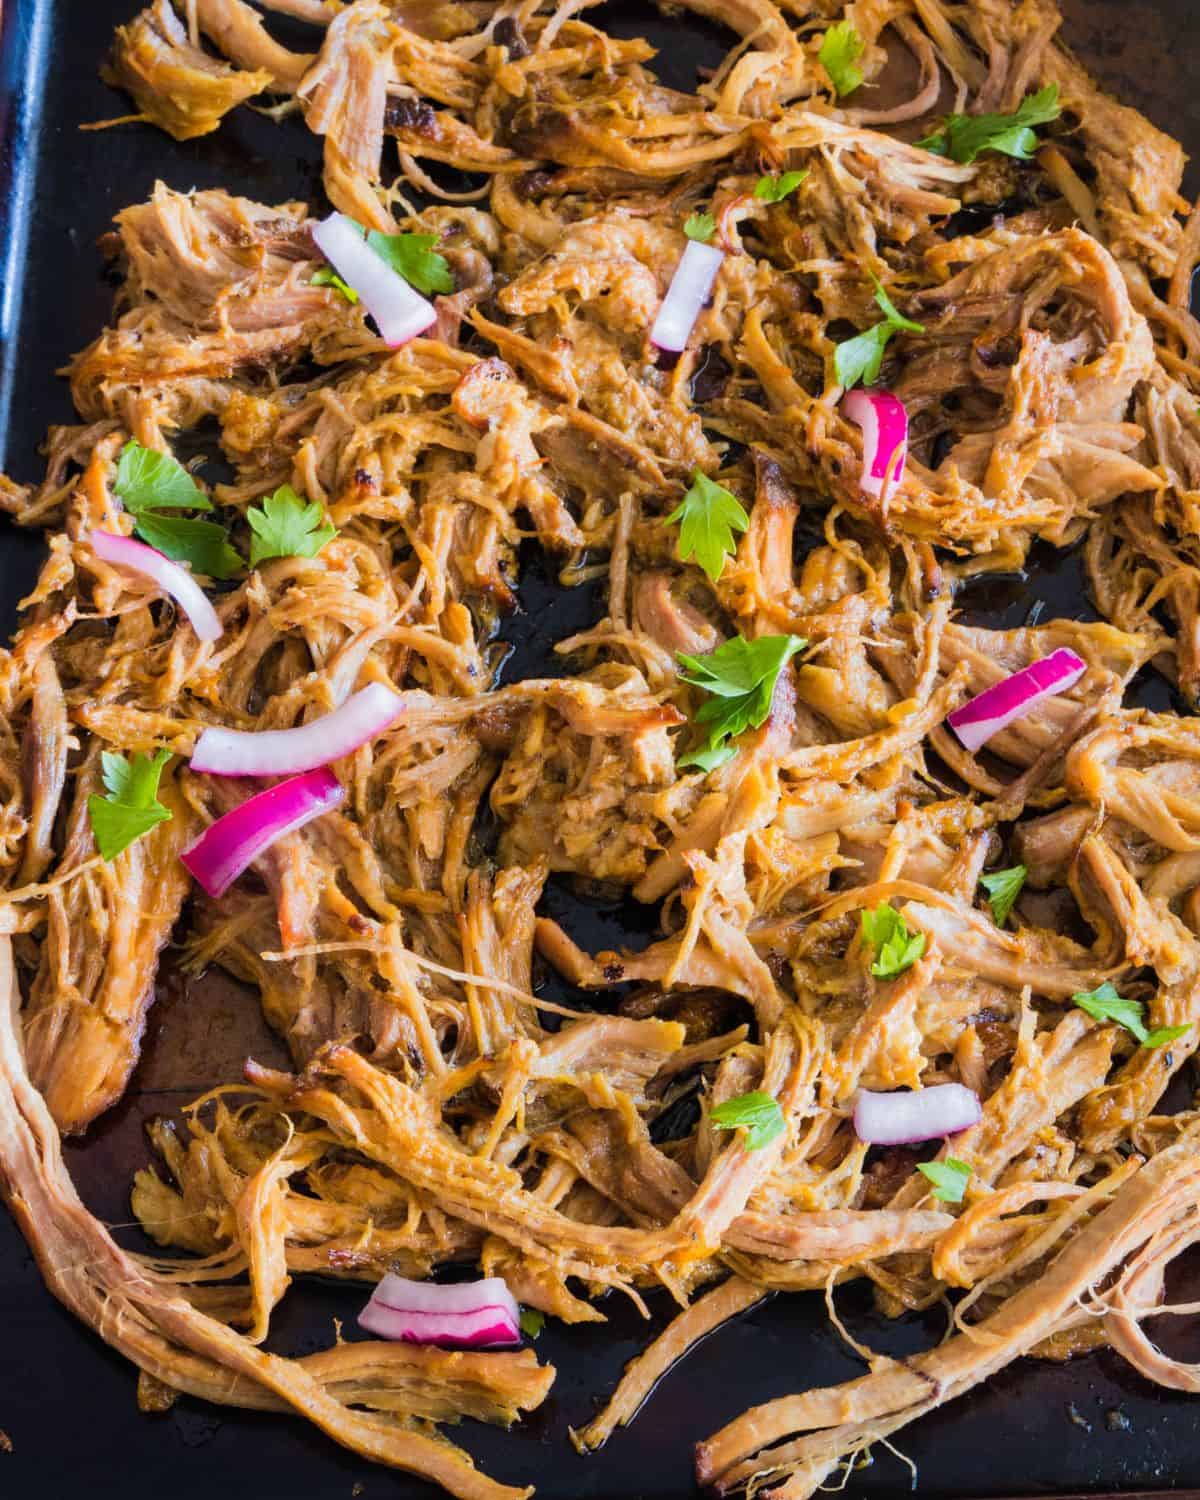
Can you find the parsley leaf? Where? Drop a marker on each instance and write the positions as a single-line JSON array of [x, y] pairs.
[[841, 48], [1165, 1034], [134, 782], [963, 137], [327, 276], [202, 544], [146, 478], [414, 258], [700, 227], [759, 1113], [532, 1322], [740, 677], [148, 482], [774, 189], [896, 949], [131, 807], [707, 520], [949, 1178], [708, 758], [1003, 887], [1106, 1004], [887, 307], [287, 526], [861, 358], [738, 666]]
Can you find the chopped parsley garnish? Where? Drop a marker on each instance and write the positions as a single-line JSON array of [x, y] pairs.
[[287, 526], [949, 1178], [963, 137], [774, 189], [147, 479], [708, 755], [700, 227], [841, 48], [896, 949], [740, 676], [532, 1322], [861, 358], [707, 520], [148, 483], [413, 257], [202, 544], [131, 806], [759, 1113], [327, 276], [1003, 887], [1106, 1004]]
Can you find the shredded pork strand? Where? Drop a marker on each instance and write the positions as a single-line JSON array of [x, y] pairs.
[[438, 1109]]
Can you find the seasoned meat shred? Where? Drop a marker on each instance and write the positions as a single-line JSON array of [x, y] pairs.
[[682, 1115]]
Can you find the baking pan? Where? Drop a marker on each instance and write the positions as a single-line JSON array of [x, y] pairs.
[[67, 1404]]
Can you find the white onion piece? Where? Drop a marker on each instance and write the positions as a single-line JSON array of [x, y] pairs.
[[923, 1115], [996, 707], [400, 312], [884, 423], [283, 752], [125, 552], [470, 1314], [691, 287]]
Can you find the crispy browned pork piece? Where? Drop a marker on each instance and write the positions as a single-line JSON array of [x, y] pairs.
[[105, 929], [438, 1109], [215, 284], [176, 84], [369, 1397]]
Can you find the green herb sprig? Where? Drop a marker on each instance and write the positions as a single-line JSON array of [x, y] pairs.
[[963, 137], [286, 525], [895, 948], [700, 227], [533, 1320], [327, 276], [1106, 1004], [707, 520], [1003, 887], [861, 357], [775, 188], [130, 806], [149, 483], [758, 1113], [740, 677], [949, 1178], [841, 47], [414, 258]]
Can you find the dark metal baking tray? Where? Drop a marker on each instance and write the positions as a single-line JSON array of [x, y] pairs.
[[66, 1401]]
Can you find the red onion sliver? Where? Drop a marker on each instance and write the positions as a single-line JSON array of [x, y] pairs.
[[125, 552], [923, 1115], [884, 422], [690, 289], [996, 707], [470, 1314], [224, 849], [400, 312], [283, 752]]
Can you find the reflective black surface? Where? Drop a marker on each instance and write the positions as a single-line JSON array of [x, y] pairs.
[[66, 1402]]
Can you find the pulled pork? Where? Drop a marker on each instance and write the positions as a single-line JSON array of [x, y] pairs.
[[438, 1108]]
